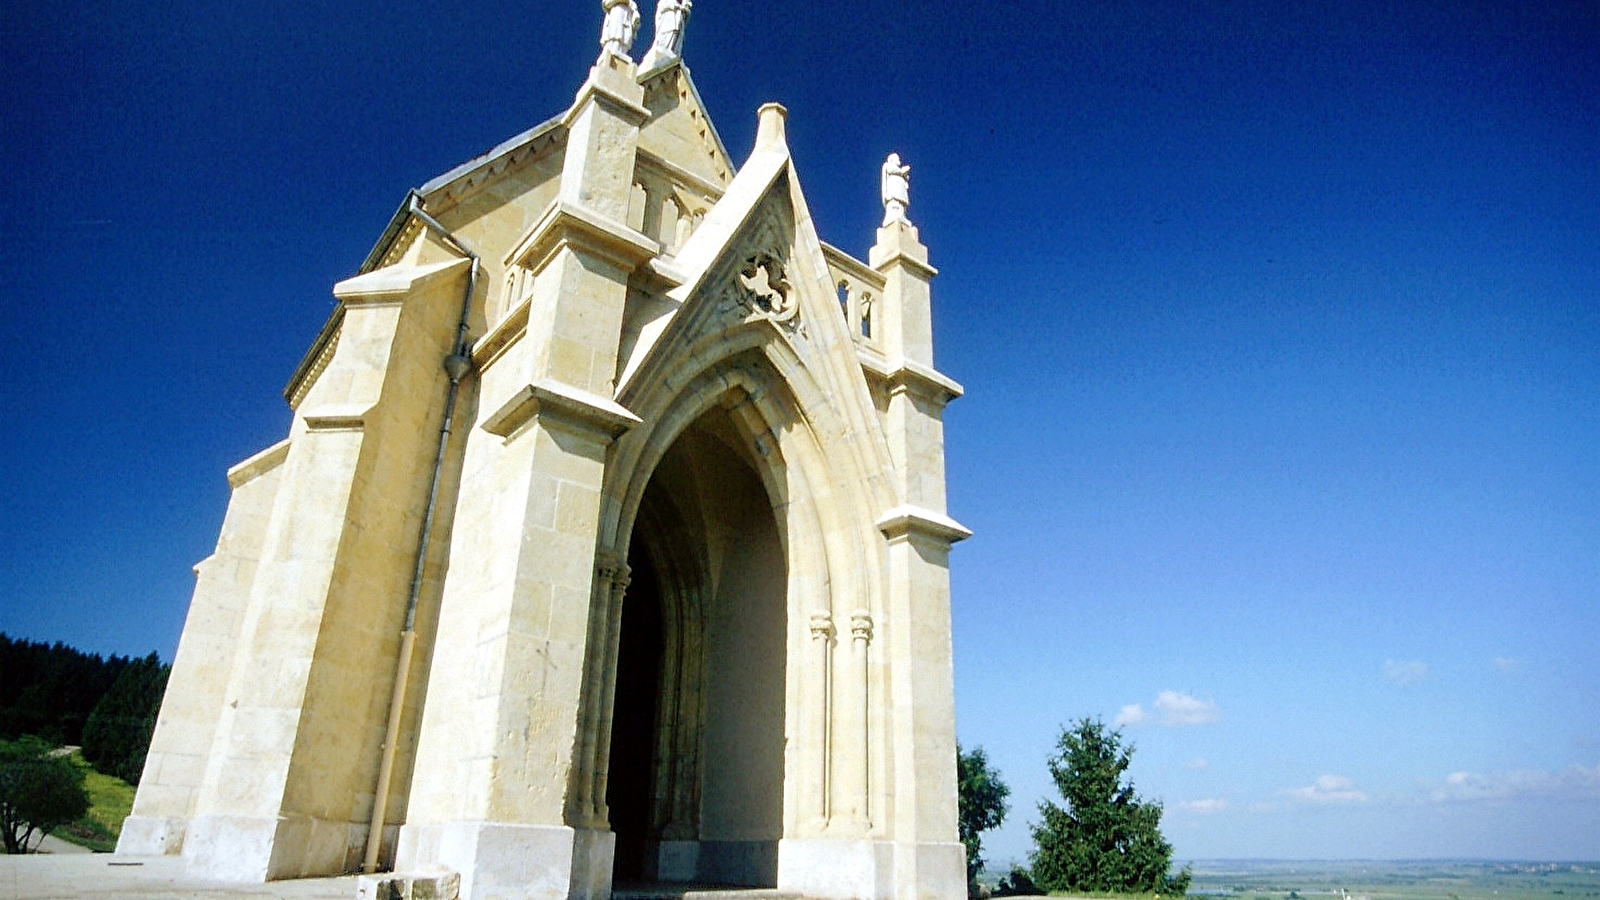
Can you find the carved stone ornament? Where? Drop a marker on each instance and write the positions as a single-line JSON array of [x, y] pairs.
[[861, 626], [752, 281], [821, 626], [763, 289]]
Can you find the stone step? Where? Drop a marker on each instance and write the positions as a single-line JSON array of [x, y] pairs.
[[690, 891]]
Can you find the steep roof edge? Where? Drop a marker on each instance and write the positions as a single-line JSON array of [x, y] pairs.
[[390, 232], [710, 122], [503, 149]]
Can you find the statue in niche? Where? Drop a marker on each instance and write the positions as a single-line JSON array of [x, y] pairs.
[[671, 17], [895, 184], [620, 27]]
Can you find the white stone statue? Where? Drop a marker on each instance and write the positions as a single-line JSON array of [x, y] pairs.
[[621, 25], [671, 17], [895, 184]]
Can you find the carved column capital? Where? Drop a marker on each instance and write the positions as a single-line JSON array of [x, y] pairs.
[[861, 626], [822, 626], [610, 566]]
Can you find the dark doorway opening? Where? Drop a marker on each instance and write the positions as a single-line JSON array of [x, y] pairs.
[[629, 786]]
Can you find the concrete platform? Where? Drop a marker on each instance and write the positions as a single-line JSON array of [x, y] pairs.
[[102, 875]]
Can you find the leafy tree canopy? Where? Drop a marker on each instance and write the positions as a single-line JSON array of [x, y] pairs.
[[39, 790], [1106, 839], [982, 804]]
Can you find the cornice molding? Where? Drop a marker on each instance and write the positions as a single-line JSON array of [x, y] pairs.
[[914, 521], [918, 267], [562, 405], [260, 464], [567, 224], [909, 376], [316, 360], [338, 416], [493, 345], [392, 283]]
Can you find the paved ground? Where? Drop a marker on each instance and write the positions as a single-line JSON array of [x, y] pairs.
[[57, 845], [100, 875]]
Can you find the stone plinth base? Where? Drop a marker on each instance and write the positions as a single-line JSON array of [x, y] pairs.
[[833, 869], [151, 836], [253, 850], [514, 862]]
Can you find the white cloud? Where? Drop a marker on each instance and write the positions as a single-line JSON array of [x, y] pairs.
[[1182, 709], [1197, 764], [1508, 664], [1132, 714], [1208, 805], [1173, 709], [1574, 783], [1328, 789], [1405, 672]]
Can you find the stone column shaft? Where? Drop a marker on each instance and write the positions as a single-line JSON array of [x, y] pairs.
[[822, 633], [608, 693]]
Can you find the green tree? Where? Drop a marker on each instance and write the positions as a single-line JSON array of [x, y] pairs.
[[1106, 839], [39, 790], [982, 805], [117, 735]]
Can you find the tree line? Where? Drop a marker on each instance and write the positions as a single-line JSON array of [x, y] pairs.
[[52, 696], [1104, 839]]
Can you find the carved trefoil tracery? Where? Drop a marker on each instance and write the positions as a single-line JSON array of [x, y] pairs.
[[754, 284]]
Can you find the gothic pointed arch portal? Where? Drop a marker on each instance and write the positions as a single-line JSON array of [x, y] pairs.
[[696, 762]]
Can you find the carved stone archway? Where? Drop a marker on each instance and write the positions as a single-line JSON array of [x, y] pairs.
[[707, 569]]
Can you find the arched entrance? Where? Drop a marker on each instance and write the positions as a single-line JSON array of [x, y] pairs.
[[697, 741]]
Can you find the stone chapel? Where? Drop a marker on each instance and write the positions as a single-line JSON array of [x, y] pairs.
[[608, 541]]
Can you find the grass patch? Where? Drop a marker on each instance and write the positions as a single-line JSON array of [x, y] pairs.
[[110, 801]]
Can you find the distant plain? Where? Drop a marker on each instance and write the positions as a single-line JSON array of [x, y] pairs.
[[1395, 880]]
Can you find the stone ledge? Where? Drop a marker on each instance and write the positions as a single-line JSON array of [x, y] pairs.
[[564, 403], [261, 463], [916, 521], [404, 886], [565, 223], [910, 375], [337, 416]]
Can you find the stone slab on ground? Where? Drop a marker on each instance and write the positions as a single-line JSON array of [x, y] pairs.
[[671, 890], [101, 875]]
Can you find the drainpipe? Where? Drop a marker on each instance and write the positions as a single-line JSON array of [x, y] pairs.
[[456, 366]]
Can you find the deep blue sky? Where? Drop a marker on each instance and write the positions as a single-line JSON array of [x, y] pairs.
[[1280, 325]]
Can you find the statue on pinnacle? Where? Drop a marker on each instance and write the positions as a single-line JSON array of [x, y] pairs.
[[620, 27], [895, 185], [671, 17]]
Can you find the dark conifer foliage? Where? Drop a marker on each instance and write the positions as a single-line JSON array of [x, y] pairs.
[[49, 690], [1106, 840], [117, 735]]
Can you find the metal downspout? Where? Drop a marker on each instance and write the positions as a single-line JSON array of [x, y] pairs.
[[456, 366]]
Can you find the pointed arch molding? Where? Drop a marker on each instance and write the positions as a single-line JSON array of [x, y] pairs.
[[759, 335]]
